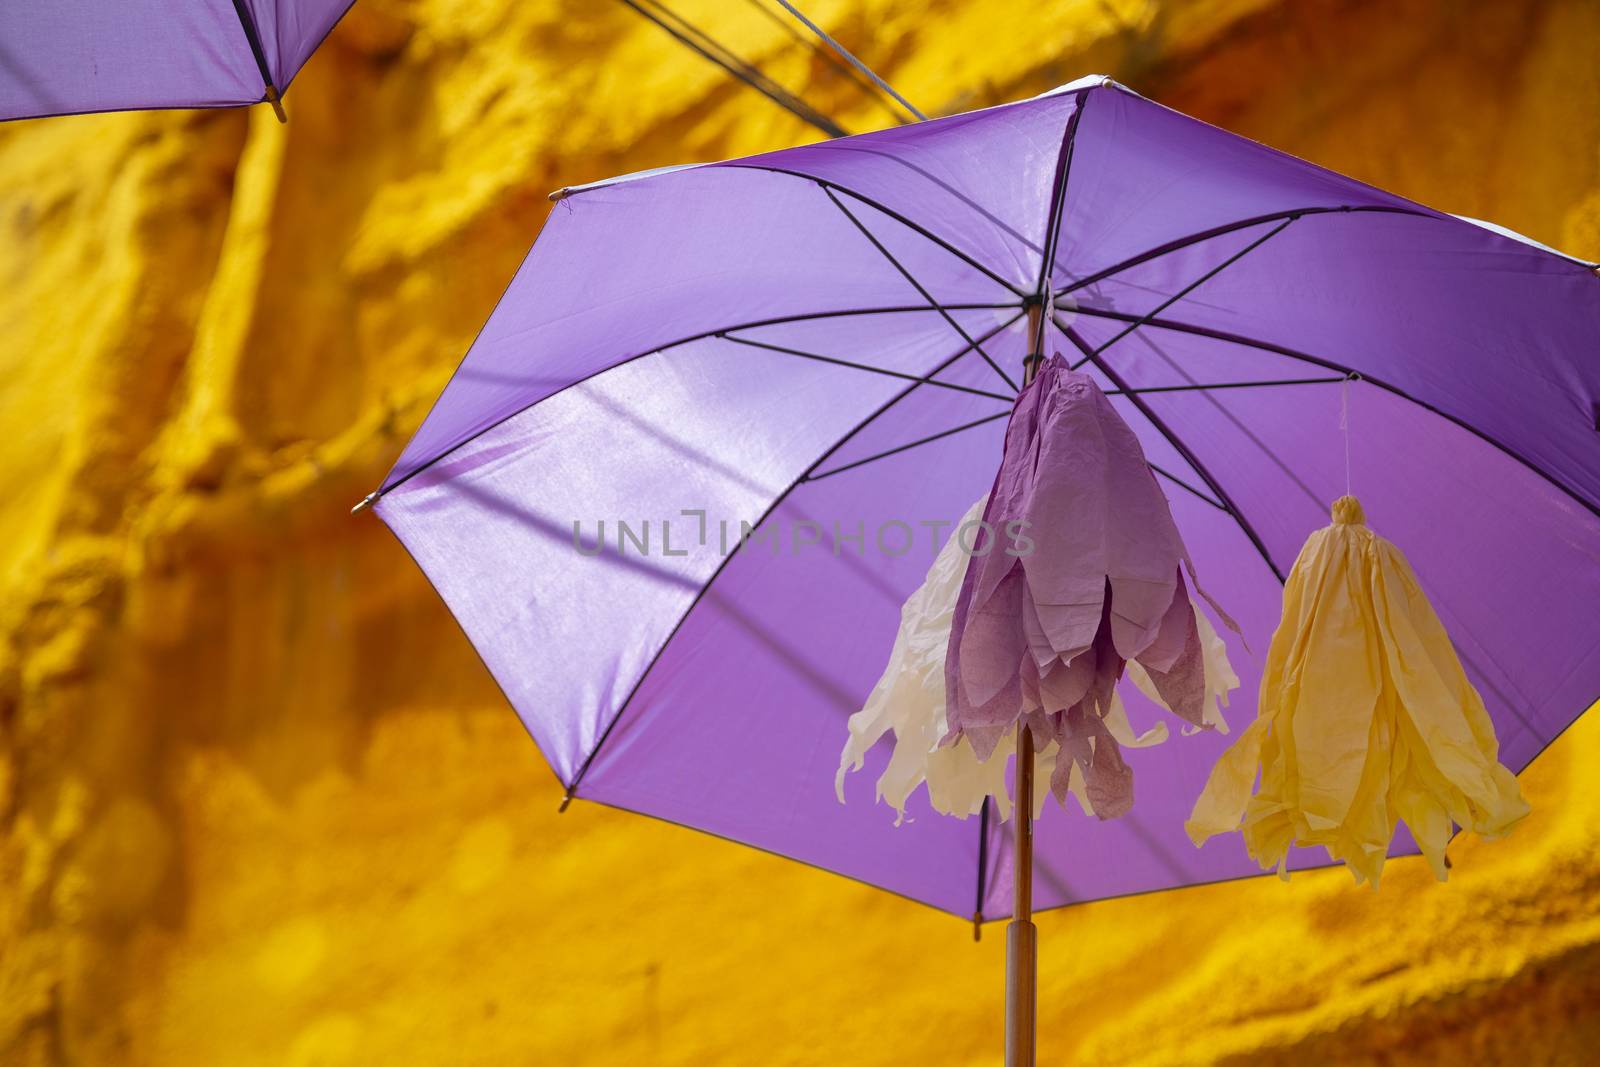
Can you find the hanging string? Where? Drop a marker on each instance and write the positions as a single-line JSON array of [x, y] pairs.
[[1344, 423]]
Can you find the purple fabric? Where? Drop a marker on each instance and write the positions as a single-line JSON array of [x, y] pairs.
[[1042, 636], [63, 57], [645, 361]]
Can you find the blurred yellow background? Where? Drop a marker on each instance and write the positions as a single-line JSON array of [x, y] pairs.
[[261, 805]]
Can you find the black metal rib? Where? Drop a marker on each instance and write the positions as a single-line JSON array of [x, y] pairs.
[[1191, 287], [990, 219], [1483, 677], [751, 325], [829, 57], [1183, 450], [1058, 200], [783, 350], [969, 260], [918, 286], [254, 37], [1226, 228], [826, 184], [1175, 480], [831, 471], [707, 48], [983, 864], [1320, 361], [577, 779], [1205, 386]]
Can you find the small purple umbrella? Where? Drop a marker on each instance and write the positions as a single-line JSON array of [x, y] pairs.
[[824, 343], [66, 57]]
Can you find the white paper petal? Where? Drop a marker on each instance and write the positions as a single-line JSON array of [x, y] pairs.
[[909, 701], [1220, 677]]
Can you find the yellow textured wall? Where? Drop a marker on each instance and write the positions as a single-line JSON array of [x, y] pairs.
[[259, 803]]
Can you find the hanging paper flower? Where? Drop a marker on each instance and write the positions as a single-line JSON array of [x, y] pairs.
[[909, 700], [1044, 638], [1366, 718], [1036, 630]]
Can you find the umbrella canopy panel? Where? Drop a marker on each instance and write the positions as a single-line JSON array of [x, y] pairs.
[[67, 57], [824, 343]]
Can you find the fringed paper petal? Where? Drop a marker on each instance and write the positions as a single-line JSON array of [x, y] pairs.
[[1220, 680], [1043, 638], [909, 696], [1366, 717], [1048, 635]]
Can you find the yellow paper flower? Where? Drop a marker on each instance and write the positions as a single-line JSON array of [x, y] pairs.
[[1366, 718]]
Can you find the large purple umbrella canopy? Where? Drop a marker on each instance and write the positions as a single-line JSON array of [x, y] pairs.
[[748, 339], [64, 57]]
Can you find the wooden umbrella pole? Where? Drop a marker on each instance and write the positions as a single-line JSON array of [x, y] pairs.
[[1022, 941]]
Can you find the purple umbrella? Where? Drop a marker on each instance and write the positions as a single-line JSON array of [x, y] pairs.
[[825, 343], [66, 57]]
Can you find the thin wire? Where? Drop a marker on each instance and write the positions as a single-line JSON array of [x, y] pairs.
[[862, 67], [1344, 423], [703, 44], [832, 60], [748, 72]]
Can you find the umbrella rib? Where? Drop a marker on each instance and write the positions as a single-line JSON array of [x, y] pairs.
[[577, 779], [1174, 479], [1483, 676], [983, 863], [1204, 386], [975, 423], [1058, 200], [253, 37], [903, 375], [1320, 361], [779, 320], [826, 183], [830, 472], [1181, 243], [870, 236], [1186, 290], [1188, 455]]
